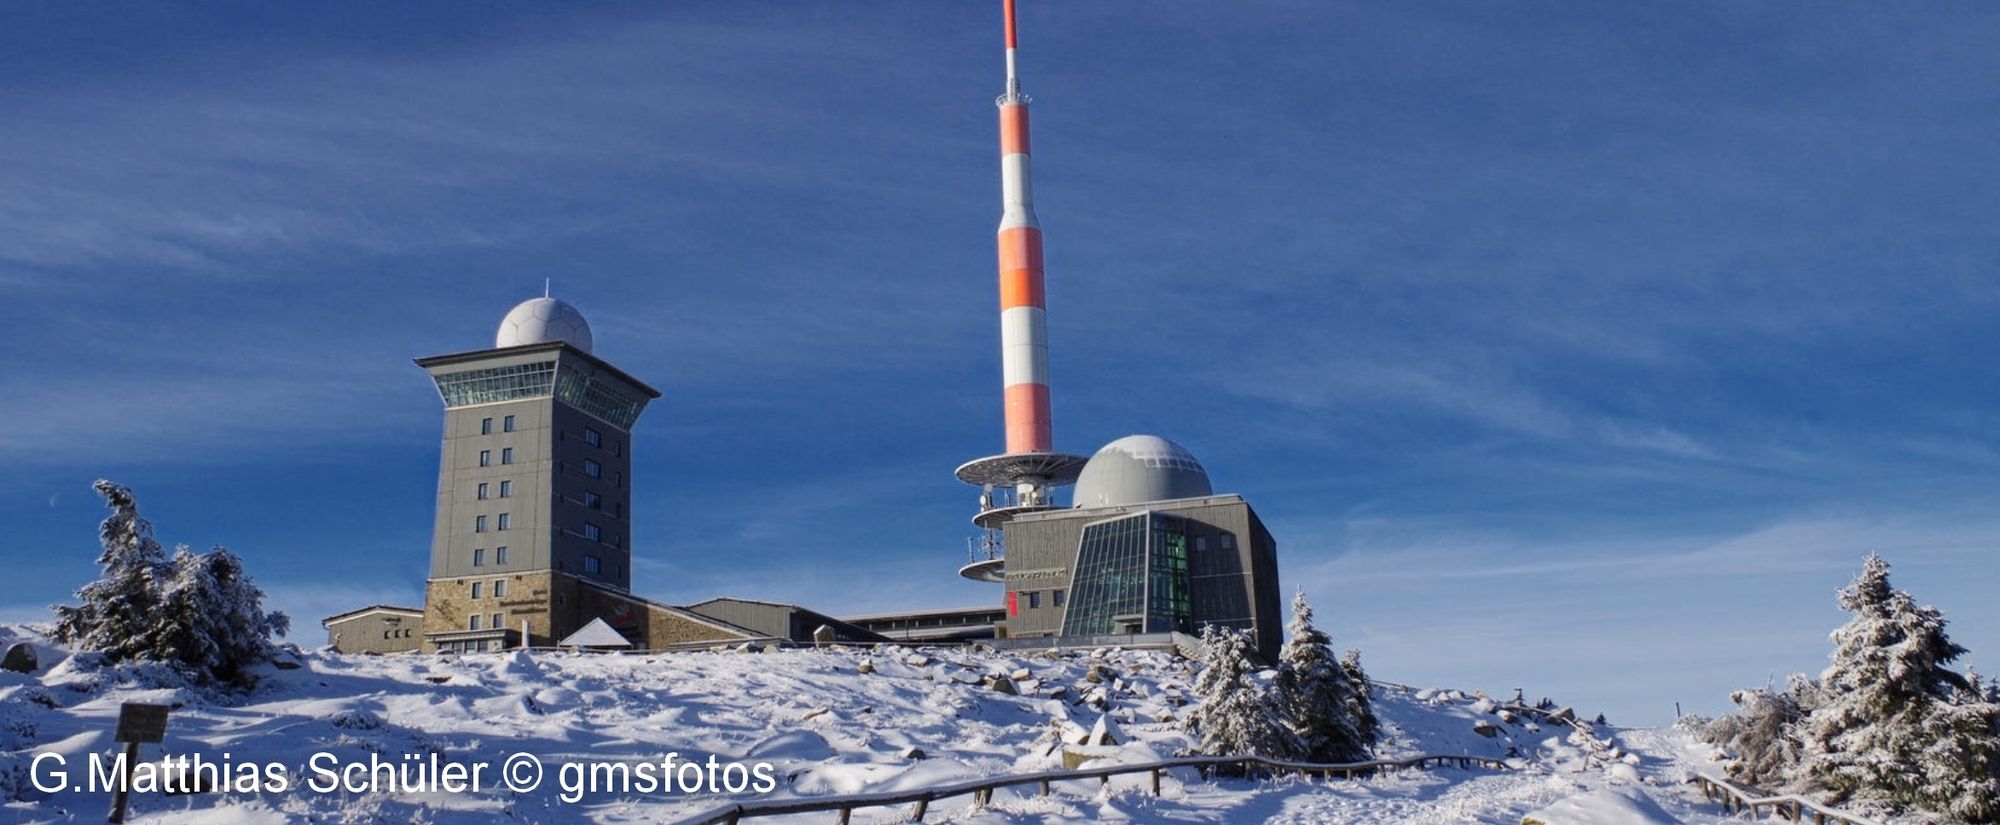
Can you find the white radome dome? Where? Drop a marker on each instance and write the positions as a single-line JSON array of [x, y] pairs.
[[1137, 469], [540, 320]]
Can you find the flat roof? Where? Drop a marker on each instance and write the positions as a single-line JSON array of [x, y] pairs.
[[552, 346], [387, 608]]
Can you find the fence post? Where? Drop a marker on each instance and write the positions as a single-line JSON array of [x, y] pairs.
[[923, 805], [1156, 781]]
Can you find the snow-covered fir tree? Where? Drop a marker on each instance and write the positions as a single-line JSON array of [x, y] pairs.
[[1762, 738], [1235, 717], [120, 610], [197, 611], [1360, 706], [1315, 692], [1893, 727]]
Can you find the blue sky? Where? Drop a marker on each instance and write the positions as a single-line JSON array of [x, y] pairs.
[[1581, 347]]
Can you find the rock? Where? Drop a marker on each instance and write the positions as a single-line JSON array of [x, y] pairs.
[[1485, 728], [914, 752], [1095, 674], [747, 647], [824, 636], [1509, 717], [866, 666], [20, 658], [1020, 674], [1002, 684], [917, 660], [1562, 715]]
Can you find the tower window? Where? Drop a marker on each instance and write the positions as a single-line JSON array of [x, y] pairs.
[[478, 524], [593, 500], [591, 437], [479, 556], [591, 532], [505, 521], [499, 622], [486, 426], [507, 424], [1227, 540], [485, 458], [500, 554], [1056, 598], [506, 455], [506, 489], [1034, 599], [592, 469], [482, 491], [499, 588], [475, 590], [472, 623], [591, 564]]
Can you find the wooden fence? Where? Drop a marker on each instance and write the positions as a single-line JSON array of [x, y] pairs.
[[981, 790], [1735, 799]]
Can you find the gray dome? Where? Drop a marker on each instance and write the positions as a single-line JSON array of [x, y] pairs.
[[1137, 469]]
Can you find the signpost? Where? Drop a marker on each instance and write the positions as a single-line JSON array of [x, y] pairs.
[[137, 723]]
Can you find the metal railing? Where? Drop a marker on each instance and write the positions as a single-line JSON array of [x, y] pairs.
[[981, 790], [1736, 799]]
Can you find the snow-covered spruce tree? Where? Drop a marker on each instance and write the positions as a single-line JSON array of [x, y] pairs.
[[1893, 726], [119, 611], [1234, 716], [1762, 738], [1315, 693], [198, 611], [1360, 705], [213, 617]]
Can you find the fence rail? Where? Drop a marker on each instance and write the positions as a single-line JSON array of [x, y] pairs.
[[981, 790], [1736, 799]]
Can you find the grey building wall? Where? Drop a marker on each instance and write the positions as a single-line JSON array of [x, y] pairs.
[[1232, 566], [785, 621]]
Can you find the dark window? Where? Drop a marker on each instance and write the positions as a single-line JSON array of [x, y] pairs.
[[500, 554], [1034, 599], [472, 623], [506, 455], [479, 557], [1228, 541], [475, 590], [591, 532], [506, 489], [1056, 598], [478, 524], [591, 564], [507, 424], [592, 469], [482, 491], [505, 521], [591, 437], [593, 500], [499, 588], [486, 426], [485, 458]]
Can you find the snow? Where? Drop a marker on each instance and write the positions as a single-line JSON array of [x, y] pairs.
[[1605, 806], [923, 717]]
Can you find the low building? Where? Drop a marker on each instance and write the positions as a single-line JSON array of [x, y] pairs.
[[780, 621], [964, 624], [378, 628]]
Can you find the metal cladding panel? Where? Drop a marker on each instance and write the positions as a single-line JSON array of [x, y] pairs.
[[1028, 429], [1021, 268], [1024, 349], [1017, 185]]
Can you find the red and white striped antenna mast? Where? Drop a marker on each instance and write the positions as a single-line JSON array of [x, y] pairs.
[[1019, 480]]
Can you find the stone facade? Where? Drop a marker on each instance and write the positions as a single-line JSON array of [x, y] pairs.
[[554, 605], [377, 629]]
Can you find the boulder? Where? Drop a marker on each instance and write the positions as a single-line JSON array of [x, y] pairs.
[[1485, 728], [914, 752], [866, 666], [824, 636], [20, 658], [1002, 684]]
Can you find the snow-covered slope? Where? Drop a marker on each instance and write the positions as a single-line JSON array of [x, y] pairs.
[[826, 722]]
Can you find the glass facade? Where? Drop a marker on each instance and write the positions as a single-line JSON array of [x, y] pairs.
[[485, 386], [1131, 577], [580, 391]]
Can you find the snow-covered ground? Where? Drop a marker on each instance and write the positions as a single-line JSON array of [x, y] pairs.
[[821, 720]]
